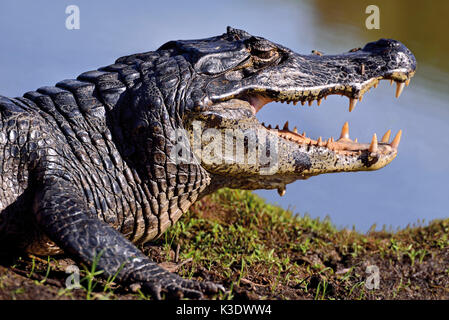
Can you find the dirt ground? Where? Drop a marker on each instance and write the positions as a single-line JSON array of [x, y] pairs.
[[259, 251]]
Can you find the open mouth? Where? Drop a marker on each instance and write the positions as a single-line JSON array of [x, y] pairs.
[[343, 145]]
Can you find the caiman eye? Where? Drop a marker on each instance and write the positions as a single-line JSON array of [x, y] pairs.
[[265, 55], [263, 59], [262, 50]]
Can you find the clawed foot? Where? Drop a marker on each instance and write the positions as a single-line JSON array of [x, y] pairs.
[[176, 287]]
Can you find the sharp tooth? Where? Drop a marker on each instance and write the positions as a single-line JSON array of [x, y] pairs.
[[295, 103], [263, 123], [325, 97], [391, 82], [399, 87], [355, 140], [310, 103], [318, 102], [281, 190], [396, 140], [303, 133], [285, 126], [332, 139], [288, 102], [386, 137], [373, 145], [319, 141], [352, 103], [407, 82], [345, 131], [277, 127], [376, 84], [269, 126], [303, 103], [361, 98], [295, 130]]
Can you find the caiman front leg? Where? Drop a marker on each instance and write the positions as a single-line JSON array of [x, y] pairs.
[[63, 215]]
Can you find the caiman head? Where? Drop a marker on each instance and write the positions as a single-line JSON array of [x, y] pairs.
[[234, 75]]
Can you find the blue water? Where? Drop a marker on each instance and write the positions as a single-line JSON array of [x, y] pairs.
[[37, 50]]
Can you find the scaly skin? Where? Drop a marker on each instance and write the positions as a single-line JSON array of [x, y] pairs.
[[90, 166]]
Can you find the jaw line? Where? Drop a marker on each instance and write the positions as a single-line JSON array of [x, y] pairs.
[[258, 97], [343, 146], [256, 100]]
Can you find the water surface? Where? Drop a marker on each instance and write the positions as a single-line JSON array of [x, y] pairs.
[[37, 50]]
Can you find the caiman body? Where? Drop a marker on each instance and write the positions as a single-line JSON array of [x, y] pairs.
[[95, 165]]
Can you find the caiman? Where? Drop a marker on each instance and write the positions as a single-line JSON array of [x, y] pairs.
[[96, 166]]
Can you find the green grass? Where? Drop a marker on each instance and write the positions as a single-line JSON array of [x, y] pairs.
[[261, 251], [249, 243]]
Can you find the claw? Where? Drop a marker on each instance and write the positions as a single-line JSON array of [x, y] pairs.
[[191, 294], [154, 290]]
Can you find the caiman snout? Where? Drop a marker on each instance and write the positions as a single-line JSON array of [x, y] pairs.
[[400, 63], [267, 72], [383, 45]]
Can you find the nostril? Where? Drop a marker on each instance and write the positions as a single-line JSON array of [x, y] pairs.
[[382, 44], [387, 42]]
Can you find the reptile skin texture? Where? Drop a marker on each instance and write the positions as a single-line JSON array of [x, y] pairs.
[[86, 166]]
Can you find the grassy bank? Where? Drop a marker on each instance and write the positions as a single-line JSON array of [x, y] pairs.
[[260, 251]]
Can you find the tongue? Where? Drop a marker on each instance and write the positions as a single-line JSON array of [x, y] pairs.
[[258, 102]]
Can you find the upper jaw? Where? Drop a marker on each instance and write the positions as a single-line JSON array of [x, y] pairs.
[[306, 78]]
